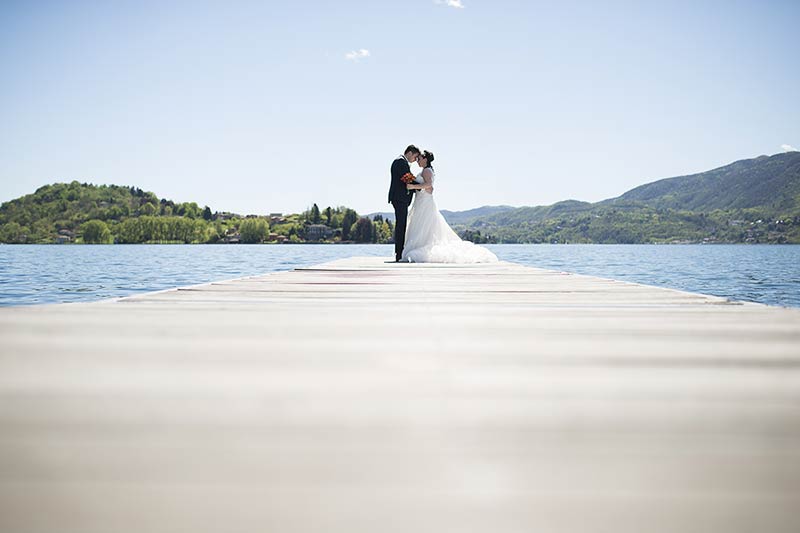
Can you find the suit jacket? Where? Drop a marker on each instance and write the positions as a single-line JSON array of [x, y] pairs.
[[398, 194]]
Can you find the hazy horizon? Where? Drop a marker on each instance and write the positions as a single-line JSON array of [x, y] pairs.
[[258, 108]]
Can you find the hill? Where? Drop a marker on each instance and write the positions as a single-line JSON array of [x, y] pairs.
[[456, 217], [88, 213], [470, 215], [753, 200], [765, 181], [386, 215]]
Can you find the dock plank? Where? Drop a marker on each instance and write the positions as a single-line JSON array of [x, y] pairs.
[[361, 395]]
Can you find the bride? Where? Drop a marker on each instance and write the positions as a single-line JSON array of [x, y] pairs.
[[429, 238]]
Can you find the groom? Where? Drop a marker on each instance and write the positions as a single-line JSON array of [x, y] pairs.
[[400, 197]]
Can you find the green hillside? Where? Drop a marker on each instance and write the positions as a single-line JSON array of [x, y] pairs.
[[772, 182], [754, 201], [86, 213], [465, 217]]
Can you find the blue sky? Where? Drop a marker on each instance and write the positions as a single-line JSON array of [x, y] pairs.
[[270, 106]]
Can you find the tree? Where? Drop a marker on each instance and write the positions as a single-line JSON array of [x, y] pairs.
[[13, 233], [364, 230], [188, 209], [328, 215], [253, 230], [96, 232], [207, 213], [315, 216], [348, 220], [383, 232]]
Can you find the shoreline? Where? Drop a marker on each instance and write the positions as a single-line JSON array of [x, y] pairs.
[[391, 244]]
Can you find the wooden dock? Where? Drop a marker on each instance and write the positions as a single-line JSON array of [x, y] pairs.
[[364, 396]]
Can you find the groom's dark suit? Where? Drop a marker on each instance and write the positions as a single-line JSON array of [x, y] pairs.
[[400, 198]]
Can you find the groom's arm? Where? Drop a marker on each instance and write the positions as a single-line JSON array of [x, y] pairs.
[[399, 168]]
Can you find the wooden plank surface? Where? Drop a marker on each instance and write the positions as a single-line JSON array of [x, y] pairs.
[[368, 396]]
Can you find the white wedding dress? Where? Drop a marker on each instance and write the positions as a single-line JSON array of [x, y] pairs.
[[430, 239]]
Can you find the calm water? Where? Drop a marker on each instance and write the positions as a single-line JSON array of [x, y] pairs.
[[34, 274]]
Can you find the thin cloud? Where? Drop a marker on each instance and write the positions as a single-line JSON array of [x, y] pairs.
[[789, 148], [355, 55], [451, 3]]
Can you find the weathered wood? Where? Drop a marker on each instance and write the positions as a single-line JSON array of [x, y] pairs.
[[368, 396]]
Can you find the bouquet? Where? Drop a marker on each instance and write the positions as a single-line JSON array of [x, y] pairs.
[[407, 178]]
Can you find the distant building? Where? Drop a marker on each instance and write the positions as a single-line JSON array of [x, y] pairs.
[[225, 215], [233, 238], [318, 232], [277, 237], [64, 236]]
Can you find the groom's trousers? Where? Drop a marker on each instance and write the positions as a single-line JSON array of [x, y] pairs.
[[400, 221]]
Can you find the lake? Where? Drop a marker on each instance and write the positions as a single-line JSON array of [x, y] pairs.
[[37, 274]]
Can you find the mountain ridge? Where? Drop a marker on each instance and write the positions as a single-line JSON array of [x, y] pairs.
[[749, 200], [739, 185]]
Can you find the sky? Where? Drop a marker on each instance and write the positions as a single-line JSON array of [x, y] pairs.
[[258, 107]]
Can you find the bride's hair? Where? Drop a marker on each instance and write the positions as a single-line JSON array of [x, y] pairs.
[[429, 157]]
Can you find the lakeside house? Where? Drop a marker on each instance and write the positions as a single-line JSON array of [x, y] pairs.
[[318, 232], [225, 215], [232, 238], [64, 236]]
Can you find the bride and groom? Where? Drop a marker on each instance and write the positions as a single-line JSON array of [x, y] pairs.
[[421, 234]]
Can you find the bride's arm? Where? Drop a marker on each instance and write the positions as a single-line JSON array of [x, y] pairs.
[[427, 185]]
